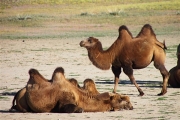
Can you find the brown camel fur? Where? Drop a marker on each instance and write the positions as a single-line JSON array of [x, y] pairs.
[[62, 92], [174, 79], [129, 53], [22, 106], [55, 98], [88, 86], [74, 82]]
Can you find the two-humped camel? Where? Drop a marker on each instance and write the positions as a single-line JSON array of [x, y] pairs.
[[44, 96], [88, 86], [129, 53], [22, 106], [174, 78]]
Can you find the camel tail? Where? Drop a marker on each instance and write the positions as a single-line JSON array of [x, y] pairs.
[[162, 45], [13, 102]]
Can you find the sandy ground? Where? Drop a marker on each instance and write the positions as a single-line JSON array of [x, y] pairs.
[[17, 57]]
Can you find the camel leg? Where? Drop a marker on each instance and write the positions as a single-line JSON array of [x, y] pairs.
[[165, 75], [117, 72], [129, 72]]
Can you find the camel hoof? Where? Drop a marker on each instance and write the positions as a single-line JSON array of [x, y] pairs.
[[113, 91], [141, 94], [160, 94]]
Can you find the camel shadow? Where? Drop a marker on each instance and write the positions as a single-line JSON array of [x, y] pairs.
[[8, 93], [145, 83]]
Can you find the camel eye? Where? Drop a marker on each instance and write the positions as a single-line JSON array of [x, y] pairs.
[[89, 41]]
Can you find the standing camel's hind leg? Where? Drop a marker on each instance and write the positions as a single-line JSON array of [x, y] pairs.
[[159, 60], [117, 72], [165, 75], [129, 72]]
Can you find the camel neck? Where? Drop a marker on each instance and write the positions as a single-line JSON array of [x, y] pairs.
[[101, 59]]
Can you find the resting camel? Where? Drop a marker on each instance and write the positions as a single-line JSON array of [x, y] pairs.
[[174, 78], [129, 53], [61, 92], [74, 82], [88, 86], [22, 106]]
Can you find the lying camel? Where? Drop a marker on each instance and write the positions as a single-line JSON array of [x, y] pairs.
[[174, 79], [22, 106], [62, 92], [74, 82], [88, 86], [129, 53]]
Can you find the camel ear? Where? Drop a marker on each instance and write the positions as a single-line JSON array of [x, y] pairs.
[[105, 96]]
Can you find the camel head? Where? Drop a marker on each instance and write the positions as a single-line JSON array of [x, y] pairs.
[[120, 102], [117, 101], [89, 43]]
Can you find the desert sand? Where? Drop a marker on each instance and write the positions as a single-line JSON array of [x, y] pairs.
[[18, 56]]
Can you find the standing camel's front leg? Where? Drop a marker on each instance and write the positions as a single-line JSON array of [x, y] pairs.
[[117, 72], [129, 72]]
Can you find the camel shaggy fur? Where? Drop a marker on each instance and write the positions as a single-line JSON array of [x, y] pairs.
[[129, 53], [61, 92], [22, 105], [88, 86], [174, 79]]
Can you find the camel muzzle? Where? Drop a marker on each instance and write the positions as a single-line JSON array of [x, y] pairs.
[[81, 44]]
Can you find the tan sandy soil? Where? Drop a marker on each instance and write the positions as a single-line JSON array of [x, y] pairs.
[[17, 57]]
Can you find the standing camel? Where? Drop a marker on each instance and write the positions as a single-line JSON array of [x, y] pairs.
[[129, 53]]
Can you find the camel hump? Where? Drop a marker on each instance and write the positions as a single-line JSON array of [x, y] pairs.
[[146, 30], [123, 28], [33, 72], [59, 69]]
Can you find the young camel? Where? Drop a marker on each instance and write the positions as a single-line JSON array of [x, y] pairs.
[[174, 78], [129, 53], [62, 92]]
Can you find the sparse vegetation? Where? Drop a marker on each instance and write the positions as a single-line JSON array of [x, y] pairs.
[[87, 12]]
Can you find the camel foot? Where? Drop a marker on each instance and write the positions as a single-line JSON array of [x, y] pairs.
[[114, 91], [162, 93], [141, 94]]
